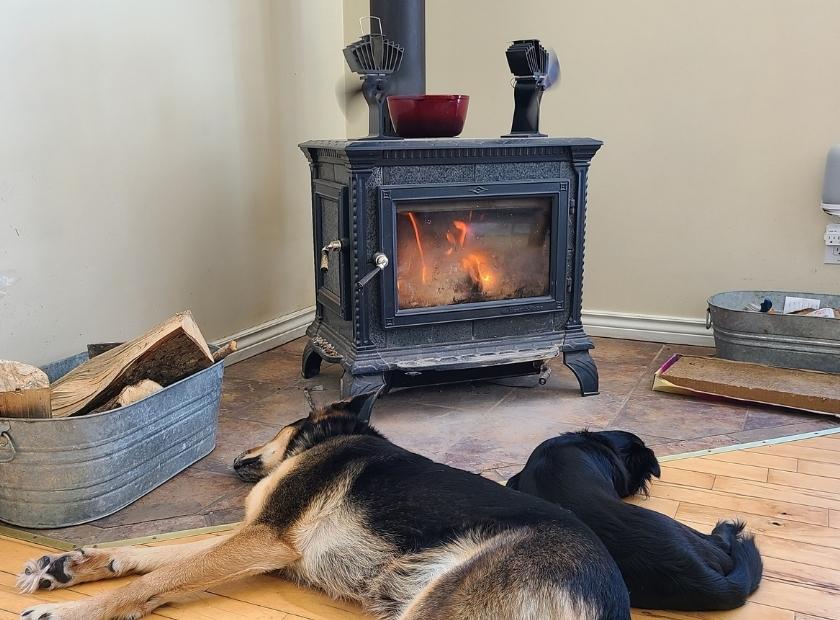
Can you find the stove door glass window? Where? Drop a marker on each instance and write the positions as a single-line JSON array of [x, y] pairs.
[[453, 252]]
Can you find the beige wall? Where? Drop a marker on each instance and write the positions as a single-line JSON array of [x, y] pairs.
[[716, 117], [148, 163]]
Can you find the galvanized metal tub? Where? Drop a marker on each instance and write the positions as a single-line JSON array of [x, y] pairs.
[[787, 341], [66, 471]]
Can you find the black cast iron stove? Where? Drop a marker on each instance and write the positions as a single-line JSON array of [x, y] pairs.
[[441, 260]]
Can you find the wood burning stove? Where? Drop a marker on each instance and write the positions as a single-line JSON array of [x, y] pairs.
[[439, 260]]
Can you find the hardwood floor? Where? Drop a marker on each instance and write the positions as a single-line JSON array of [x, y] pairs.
[[789, 494]]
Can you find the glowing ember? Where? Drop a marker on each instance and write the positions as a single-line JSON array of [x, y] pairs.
[[477, 269]]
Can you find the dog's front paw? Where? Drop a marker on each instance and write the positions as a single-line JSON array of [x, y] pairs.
[[55, 571], [44, 612]]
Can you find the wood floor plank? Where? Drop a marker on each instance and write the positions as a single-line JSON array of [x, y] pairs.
[[782, 463], [805, 481], [720, 468], [267, 590], [793, 450], [828, 442], [791, 571], [729, 502], [685, 477], [767, 490], [815, 555], [801, 598], [750, 611], [781, 528], [834, 519], [665, 506], [827, 470]]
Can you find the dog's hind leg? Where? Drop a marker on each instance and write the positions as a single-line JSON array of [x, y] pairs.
[[255, 549], [63, 570]]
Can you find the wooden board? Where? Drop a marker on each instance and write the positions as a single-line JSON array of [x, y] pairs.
[[165, 354], [802, 559], [24, 391], [806, 390]]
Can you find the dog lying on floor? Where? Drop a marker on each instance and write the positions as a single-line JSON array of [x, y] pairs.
[[339, 507], [665, 564]]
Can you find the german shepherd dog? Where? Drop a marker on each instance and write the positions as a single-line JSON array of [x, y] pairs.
[[339, 507], [665, 564]]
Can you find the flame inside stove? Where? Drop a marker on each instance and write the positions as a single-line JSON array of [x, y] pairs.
[[419, 246]]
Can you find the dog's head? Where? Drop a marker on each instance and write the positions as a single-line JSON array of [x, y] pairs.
[[346, 417], [639, 461]]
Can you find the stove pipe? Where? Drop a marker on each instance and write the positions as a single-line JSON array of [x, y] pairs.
[[404, 21]]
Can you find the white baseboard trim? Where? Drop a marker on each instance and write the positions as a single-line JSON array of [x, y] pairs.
[[669, 329], [673, 330], [261, 338]]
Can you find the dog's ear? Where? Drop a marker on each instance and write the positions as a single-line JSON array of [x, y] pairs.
[[359, 407], [642, 464]]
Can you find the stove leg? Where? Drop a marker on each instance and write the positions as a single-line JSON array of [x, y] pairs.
[[354, 385], [581, 364], [310, 364]]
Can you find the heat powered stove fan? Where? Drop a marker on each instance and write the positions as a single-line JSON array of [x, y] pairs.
[[374, 58], [535, 69]]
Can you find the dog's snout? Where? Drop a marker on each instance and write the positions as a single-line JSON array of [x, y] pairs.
[[243, 460]]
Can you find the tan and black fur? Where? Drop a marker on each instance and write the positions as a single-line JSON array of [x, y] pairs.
[[339, 507]]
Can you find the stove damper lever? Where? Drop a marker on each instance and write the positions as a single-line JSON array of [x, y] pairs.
[[381, 261]]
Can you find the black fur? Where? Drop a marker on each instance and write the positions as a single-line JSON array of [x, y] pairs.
[[417, 504], [665, 564]]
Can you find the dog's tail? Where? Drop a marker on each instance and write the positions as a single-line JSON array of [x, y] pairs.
[[747, 566]]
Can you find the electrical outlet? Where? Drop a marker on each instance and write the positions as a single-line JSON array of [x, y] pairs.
[[832, 244]]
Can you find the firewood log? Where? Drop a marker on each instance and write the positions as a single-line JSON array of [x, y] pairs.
[[165, 354], [223, 351], [130, 394], [24, 391]]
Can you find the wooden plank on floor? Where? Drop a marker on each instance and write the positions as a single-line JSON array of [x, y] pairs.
[[827, 470], [828, 442], [685, 477], [801, 598], [815, 555], [805, 481], [723, 502], [834, 519], [767, 490], [784, 463], [665, 506], [720, 468], [808, 575], [781, 528], [266, 590], [750, 611], [794, 450]]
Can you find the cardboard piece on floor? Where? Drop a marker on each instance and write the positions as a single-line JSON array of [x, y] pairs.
[[805, 390]]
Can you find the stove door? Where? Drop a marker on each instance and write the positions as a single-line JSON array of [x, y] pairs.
[[332, 265]]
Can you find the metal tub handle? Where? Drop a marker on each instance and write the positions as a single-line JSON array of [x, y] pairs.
[[708, 317], [7, 448]]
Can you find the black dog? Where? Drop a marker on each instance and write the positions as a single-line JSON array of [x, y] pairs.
[[665, 564]]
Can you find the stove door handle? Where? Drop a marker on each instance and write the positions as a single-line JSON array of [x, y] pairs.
[[381, 261], [332, 246]]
